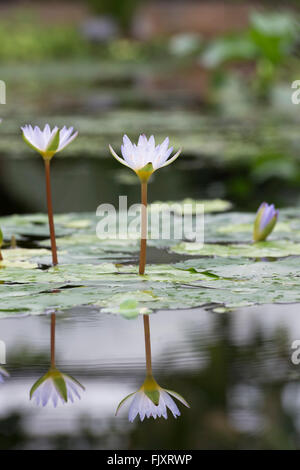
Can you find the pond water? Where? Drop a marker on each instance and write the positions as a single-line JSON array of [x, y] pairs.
[[235, 370]]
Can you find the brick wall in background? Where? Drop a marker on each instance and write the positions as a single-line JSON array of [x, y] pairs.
[[210, 18]]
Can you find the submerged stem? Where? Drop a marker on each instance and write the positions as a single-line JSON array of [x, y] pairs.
[[147, 344], [50, 212], [52, 340], [143, 248]]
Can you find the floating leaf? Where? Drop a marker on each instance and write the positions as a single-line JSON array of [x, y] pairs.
[[219, 276], [266, 249], [210, 205]]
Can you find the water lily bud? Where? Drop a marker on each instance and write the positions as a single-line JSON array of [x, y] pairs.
[[265, 221], [145, 157], [152, 400]]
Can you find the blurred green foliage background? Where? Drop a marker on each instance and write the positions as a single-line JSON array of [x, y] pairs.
[[222, 72]]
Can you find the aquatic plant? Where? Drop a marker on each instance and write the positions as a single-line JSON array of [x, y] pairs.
[[144, 158], [55, 385], [265, 221], [47, 143], [152, 400]]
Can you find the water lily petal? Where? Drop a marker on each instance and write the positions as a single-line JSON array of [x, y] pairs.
[[135, 406], [42, 140], [170, 403], [168, 162], [117, 157], [179, 397]]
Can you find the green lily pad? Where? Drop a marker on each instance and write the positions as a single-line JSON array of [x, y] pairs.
[[274, 249], [210, 205], [21, 257], [218, 276]]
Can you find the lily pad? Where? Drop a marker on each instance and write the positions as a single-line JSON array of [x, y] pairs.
[[266, 249], [210, 205], [92, 272]]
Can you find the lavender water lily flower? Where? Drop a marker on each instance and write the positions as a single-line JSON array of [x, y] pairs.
[[3, 375], [48, 141], [56, 387], [145, 157], [265, 221], [152, 400]]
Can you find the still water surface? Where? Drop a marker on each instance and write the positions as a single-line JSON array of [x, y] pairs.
[[234, 369]]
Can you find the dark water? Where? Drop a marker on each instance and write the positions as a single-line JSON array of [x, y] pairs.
[[81, 185], [234, 369]]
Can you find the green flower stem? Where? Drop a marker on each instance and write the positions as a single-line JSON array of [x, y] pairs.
[[52, 340], [143, 228], [147, 345], [50, 212]]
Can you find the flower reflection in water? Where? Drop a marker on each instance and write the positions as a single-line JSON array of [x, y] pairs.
[[151, 399], [3, 375], [55, 386]]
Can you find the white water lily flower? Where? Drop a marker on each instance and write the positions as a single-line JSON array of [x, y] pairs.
[[48, 142], [55, 386], [3, 375], [152, 400], [145, 157]]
